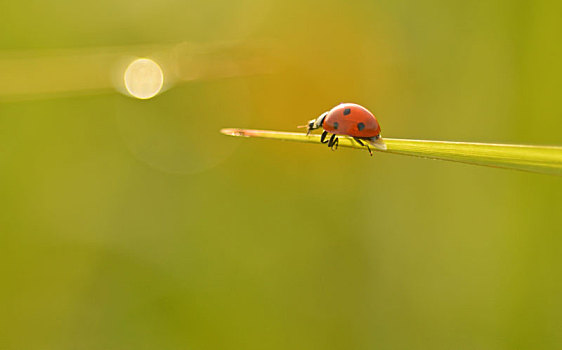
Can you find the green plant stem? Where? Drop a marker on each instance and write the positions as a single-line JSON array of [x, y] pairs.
[[538, 159]]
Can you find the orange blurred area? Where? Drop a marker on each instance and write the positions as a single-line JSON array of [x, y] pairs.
[[133, 223]]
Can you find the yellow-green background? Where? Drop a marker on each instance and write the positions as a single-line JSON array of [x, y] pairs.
[[128, 224]]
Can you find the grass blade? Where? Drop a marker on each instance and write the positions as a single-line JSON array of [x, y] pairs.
[[538, 159]]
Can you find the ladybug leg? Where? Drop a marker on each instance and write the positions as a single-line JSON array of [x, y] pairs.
[[333, 143], [365, 145], [370, 152], [323, 137]]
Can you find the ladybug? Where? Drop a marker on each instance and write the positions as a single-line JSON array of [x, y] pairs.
[[348, 119]]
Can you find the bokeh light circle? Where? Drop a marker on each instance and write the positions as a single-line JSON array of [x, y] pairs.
[[143, 78]]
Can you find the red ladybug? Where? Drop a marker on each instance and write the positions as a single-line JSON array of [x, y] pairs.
[[348, 119]]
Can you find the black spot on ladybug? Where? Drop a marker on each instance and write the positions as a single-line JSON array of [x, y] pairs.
[[346, 111], [336, 125], [360, 126]]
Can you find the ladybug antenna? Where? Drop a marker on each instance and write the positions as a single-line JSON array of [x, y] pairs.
[[310, 126], [305, 126], [314, 124]]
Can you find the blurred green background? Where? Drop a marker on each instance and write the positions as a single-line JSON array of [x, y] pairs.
[[134, 224]]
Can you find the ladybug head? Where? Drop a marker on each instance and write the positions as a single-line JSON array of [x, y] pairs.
[[316, 123]]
